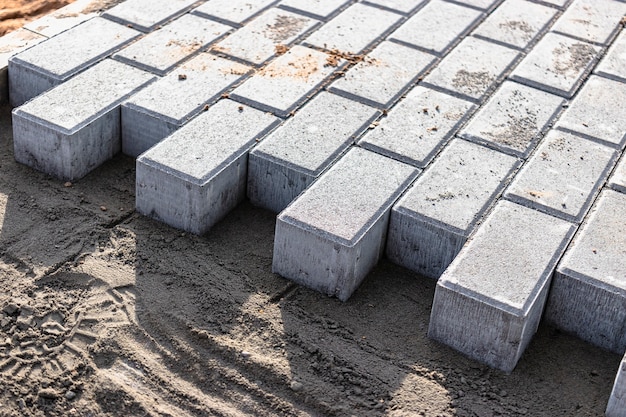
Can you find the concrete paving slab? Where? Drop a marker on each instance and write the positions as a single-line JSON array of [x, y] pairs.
[[617, 401], [514, 119], [486, 5], [148, 15], [387, 72], [595, 21], [618, 178], [287, 81], [49, 64], [365, 25], [193, 178], [472, 69], [65, 18], [516, 23], [162, 50], [557, 64], [433, 219], [296, 154], [596, 114], [11, 44], [612, 65], [257, 42], [416, 129], [402, 6], [169, 103], [75, 127], [489, 302], [333, 234], [437, 27], [317, 9], [232, 12], [561, 4], [563, 176], [589, 287]]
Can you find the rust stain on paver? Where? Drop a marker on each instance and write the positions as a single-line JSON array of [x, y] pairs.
[[472, 81], [572, 59], [285, 27], [302, 67]]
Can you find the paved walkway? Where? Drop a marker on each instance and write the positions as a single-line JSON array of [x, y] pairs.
[[476, 142]]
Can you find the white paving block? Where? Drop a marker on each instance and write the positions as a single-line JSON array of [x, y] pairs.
[[588, 291], [489, 302], [486, 5], [172, 101], [333, 234], [194, 177], [614, 63], [595, 21], [233, 12], [71, 129], [318, 9], [617, 401], [618, 179], [49, 64], [11, 44], [297, 153], [147, 15], [433, 219], [402, 6]]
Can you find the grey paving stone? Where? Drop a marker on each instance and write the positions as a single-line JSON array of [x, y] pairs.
[[333, 234], [472, 68], [589, 287], [172, 101], [403, 6], [286, 82], [49, 64], [488, 303], [234, 12], [433, 219], [147, 15], [294, 155], [595, 21], [618, 178], [193, 178], [318, 9], [557, 64], [486, 5], [563, 176], [71, 129], [257, 41], [11, 44], [597, 114], [162, 50], [383, 75], [558, 3], [612, 65], [436, 27], [514, 119], [516, 23], [65, 18], [354, 29], [617, 401], [418, 126]]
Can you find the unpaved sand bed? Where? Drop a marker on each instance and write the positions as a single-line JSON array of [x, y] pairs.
[[108, 313]]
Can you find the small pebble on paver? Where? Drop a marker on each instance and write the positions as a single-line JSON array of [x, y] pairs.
[[383, 75], [557, 64], [563, 176], [318, 9], [147, 15], [436, 27], [472, 68], [234, 12], [614, 63], [595, 21], [417, 127], [514, 119]]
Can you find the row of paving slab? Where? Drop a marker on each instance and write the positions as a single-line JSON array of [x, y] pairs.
[[476, 142]]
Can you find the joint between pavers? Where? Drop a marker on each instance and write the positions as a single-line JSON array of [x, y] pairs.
[[617, 146], [235, 25], [608, 42], [586, 279], [451, 92], [551, 5], [611, 77], [577, 219], [392, 10], [471, 6]]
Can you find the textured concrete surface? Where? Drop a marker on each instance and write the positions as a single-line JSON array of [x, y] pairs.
[[617, 401], [147, 15]]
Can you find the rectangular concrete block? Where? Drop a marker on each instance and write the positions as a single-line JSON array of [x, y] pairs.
[[433, 219], [49, 64], [232, 12], [416, 128], [514, 119], [173, 100], [317, 9], [65, 18], [437, 27], [489, 302], [588, 291], [286, 82], [595, 21], [618, 178], [193, 178], [557, 64], [258, 40], [486, 5], [612, 65], [148, 15], [516, 23], [298, 152], [472, 69], [563, 176], [364, 24], [333, 234], [11, 44], [75, 127], [162, 50], [382, 77], [596, 114], [402, 6], [617, 401]]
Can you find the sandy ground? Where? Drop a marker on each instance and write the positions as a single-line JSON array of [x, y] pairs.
[[16, 13]]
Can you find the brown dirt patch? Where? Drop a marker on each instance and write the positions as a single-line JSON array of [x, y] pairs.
[[16, 13]]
